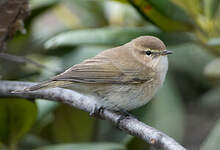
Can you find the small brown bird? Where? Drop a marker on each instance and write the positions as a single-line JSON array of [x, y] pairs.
[[125, 77]]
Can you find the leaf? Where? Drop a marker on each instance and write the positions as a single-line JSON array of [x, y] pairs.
[[167, 7], [45, 107], [36, 4], [212, 140], [72, 125], [211, 7], [107, 132], [84, 146], [214, 42], [31, 141], [184, 61], [101, 36], [135, 143], [39, 7], [210, 100], [81, 53], [91, 13], [150, 12], [212, 70], [16, 118], [113, 36], [169, 108]]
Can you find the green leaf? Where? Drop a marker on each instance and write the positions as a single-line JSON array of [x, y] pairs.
[[210, 100], [107, 132], [122, 1], [45, 107], [150, 12], [135, 143], [16, 118], [2, 147], [167, 7], [39, 7], [37, 4], [214, 42], [184, 61], [212, 141], [81, 53], [212, 70], [101, 36], [91, 13], [71, 124], [168, 107], [211, 7], [84, 146], [113, 36]]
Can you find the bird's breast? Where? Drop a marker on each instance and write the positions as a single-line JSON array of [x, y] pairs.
[[144, 92], [162, 69]]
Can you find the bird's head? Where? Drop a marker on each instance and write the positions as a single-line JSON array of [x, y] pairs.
[[149, 50]]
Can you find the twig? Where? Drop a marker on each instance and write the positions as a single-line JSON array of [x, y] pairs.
[[24, 60], [20, 59], [130, 125]]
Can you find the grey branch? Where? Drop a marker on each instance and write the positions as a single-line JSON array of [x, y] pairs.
[[129, 124]]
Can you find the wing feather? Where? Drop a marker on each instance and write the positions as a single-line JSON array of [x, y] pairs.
[[101, 70]]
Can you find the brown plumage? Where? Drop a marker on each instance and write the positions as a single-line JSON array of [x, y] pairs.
[[119, 70]]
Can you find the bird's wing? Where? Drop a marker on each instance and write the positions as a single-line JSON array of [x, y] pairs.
[[102, 70]]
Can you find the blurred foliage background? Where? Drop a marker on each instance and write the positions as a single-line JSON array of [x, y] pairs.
[[61, 33]]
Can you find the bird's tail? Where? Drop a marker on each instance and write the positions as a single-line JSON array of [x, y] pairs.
[[43, 85]]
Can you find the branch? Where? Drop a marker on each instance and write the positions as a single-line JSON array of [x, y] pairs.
[[23, 60], [129, 124]]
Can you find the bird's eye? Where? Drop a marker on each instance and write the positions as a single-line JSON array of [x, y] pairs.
[[148, 53]]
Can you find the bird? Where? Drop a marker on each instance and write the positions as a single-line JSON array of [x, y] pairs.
[[121, 78]]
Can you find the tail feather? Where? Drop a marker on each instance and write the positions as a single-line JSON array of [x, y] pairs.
[[43, 85]]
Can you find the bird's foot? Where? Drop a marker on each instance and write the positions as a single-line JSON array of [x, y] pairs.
[[123, 115], [97, 111], [126, 113]]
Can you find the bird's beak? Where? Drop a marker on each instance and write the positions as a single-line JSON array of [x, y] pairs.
[[166, 52]]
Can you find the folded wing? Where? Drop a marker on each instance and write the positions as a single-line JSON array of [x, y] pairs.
[[101, 70]]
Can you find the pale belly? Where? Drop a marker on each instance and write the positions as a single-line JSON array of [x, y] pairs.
[[116, 97], [128, 97]]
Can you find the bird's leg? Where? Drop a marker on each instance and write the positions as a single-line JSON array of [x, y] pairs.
[[124, 114], [96, 111]]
